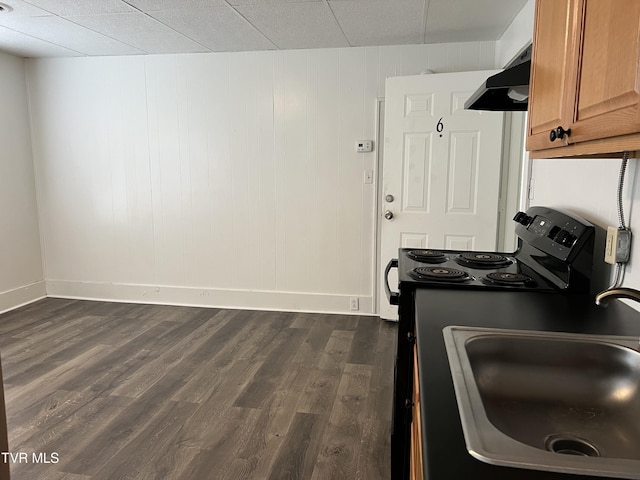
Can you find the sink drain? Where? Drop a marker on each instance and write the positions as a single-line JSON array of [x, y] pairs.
[[570, 445]]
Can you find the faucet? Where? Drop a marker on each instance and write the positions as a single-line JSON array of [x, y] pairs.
[[603, 298]]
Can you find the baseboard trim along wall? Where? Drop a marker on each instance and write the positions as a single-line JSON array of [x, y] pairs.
[[17, 297], [210, 297]]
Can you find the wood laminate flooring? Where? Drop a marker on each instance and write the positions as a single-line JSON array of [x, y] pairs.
[[128, 391]]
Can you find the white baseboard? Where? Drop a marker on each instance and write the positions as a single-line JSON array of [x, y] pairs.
[[17, 297], [210, 297]]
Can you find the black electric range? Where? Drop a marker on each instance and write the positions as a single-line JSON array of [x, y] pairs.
[[554, 255]]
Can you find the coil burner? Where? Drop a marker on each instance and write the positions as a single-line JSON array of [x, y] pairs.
[[440, 274], [508, 279], [482, 260], [427, 256]]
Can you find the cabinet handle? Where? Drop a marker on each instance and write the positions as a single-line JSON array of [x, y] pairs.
[[408, 403], [559, 133], [411, 337]]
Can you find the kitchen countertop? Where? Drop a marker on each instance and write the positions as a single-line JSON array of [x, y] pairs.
[[444, 452]]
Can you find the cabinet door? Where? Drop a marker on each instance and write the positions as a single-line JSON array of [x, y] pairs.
[[608, 89], [553, 77]]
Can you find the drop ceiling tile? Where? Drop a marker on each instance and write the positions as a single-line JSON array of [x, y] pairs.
[[64, 33], [469, 20], [139, 31], [157, 5], [82, 7], [296, 25], [217, 28], [120, 27], [22, 45], [266, 2], [22, 8], [380, 22]]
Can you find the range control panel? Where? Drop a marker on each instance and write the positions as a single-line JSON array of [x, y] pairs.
[[555, 232]]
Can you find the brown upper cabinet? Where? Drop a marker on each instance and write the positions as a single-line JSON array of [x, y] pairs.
[[585, 78]]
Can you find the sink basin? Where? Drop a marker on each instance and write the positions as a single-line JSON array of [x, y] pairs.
[[548, 401]]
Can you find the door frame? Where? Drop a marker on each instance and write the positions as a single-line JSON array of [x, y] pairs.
[[378, 205]]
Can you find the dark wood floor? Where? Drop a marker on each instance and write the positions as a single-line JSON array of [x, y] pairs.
[[155, 392]]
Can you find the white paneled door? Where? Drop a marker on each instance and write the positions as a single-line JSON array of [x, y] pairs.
[[441, 169]]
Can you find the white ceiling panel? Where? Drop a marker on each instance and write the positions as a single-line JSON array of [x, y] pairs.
[[267, 2], [139, 31], [81, 7], [156, 5], [64, 33], [380, 22], [219, 29], [22, 45], [467, 21], [296, 25], [120, 27], [22, 8]]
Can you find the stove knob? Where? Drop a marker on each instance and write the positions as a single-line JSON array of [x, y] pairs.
[[569, 240], [564, 238], [522, 218]]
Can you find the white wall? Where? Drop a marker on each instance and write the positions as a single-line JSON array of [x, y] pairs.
[[21, 278], [518, 35], [217, 179], [589, 188]]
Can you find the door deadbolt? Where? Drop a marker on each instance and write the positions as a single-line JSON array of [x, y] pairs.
[[389, 198]]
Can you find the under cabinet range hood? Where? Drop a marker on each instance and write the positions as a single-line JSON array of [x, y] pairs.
[[507, 90]]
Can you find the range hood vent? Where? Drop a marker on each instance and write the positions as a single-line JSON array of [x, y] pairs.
[[507, 90]]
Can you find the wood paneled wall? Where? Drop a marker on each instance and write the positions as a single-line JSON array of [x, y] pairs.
[[217, 179], [21, 275]]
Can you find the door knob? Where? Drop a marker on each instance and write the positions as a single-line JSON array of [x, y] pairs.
[[388, 214]]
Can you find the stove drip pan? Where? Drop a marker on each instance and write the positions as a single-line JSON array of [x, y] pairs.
[[508, 279], [482, 260], [440, 274], [428, 256]]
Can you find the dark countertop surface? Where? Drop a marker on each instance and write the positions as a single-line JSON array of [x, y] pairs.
[[444, 451]]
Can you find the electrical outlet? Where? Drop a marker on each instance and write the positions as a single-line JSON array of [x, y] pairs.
[[354, 303], [610, 245]]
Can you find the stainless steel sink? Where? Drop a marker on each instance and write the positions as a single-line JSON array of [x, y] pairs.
[[548, 401]]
